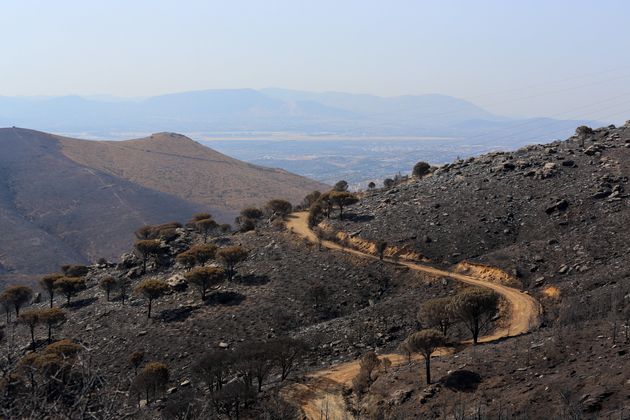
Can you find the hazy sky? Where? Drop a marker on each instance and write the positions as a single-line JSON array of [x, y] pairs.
[[554, 57]]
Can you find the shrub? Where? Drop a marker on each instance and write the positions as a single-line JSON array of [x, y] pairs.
[[152, 378], [72, 270], [310, 199], [341, 186], [251, 213], [135, 360], [420, 169], [279, 207]]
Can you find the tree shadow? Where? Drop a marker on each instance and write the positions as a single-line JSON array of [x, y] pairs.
[[359, 218], [80, 303], [176, 314], [462, 381], [252, 280], [225, 298]]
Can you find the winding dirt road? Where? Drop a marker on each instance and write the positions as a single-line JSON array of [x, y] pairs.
[[321, 396]]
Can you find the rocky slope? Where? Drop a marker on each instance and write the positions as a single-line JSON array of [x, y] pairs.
[[555, 216]]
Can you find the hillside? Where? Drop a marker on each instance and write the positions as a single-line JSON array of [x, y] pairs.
[[555, 217], [174, 164], [73, 201], [544, 227]]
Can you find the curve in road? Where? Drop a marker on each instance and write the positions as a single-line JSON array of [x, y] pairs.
[[321, 396]]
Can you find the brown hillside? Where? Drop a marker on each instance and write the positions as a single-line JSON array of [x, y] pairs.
[[74, 201], [174, 164]]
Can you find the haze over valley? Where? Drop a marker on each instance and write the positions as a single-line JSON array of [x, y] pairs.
[[324, 136]]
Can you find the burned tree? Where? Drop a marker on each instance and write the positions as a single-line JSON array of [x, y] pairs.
[[425, 342], [203, 278], [231, 257], [151, 289]]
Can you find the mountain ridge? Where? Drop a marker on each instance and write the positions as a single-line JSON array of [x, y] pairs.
[[264, 110]]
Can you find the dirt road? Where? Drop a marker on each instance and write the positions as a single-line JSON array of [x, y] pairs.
[[320, 397]]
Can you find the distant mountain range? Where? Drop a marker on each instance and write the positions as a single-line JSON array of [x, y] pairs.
[[65, 200], [271, 110]]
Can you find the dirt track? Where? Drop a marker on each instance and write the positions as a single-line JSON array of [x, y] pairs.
[[321, 396]]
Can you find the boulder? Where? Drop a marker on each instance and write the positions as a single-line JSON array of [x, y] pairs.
[[177, 282]]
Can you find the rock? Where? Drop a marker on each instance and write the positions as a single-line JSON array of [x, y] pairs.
[[134, 273], [401, 396], [141, 333], [539, 281], [185, 383], [561, 205], [592, 150], [569, 163], [128, 260], [601, 194], [171, 390], [223, 345], [177, 282]]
